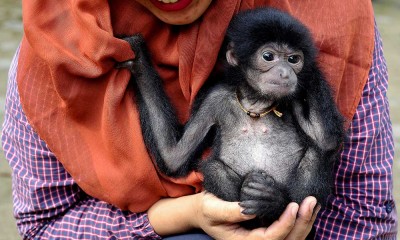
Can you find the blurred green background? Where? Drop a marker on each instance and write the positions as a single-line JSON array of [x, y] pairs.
[[388, 19]]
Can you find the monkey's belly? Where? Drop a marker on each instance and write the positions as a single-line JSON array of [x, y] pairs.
[[278, 153]]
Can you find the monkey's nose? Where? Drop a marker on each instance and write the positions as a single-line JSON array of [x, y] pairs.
[[284, 73]]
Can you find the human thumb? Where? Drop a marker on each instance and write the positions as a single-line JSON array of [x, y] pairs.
[[222, 211]]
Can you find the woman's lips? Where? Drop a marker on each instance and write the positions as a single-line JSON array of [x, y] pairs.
[[171, 5]]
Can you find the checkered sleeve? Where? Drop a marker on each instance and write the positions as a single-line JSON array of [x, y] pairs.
[[48, 204], [362, 206]]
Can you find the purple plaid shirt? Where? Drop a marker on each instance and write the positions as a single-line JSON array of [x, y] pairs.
[[49, 204]]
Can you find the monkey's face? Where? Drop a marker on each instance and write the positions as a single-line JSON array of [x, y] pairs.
[[272, 70]]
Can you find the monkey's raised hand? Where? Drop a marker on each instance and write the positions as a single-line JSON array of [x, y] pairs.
[[142, 56], [160, 127]]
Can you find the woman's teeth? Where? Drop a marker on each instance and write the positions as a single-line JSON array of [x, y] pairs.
[[168, 1]]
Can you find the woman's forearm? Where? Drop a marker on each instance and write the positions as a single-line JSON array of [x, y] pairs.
[[174, 215]]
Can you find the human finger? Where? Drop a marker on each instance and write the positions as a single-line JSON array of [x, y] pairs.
[[284, 225], [305, 219], [220, 211]]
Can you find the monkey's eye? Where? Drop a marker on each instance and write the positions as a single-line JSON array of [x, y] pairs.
[[268, 56], [293, 59]]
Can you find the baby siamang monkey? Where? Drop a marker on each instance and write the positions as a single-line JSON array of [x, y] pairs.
[[276, 128]]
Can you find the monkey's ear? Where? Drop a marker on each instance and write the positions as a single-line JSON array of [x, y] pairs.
[[230, 55]]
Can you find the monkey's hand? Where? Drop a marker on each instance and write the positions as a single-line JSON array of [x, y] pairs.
[[261, 195], [142, 56], [137, 43]]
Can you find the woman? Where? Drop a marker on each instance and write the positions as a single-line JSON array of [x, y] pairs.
[[73, 140]]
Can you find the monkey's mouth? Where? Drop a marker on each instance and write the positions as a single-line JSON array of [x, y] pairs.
[[278, 88], [281, 84]]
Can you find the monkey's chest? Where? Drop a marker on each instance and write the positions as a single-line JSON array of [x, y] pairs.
[[262, 145]]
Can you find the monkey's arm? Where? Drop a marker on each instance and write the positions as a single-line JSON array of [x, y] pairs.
[[172, 149], [318, 115], [162, 133], [319, 118]]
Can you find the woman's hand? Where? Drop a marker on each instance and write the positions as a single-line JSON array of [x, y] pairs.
[[220, 219]]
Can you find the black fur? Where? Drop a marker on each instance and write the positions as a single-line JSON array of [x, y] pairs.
[[265, 172]]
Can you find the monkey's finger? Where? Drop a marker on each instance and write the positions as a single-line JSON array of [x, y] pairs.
[[260, 186], [251, 207], [127, 64], [257, 194], [248, 203], [250, 211], [137, 42]]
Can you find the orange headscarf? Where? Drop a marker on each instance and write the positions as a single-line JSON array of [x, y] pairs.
[[82, 106]]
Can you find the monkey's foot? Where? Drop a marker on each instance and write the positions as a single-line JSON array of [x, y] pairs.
[[261, 195]]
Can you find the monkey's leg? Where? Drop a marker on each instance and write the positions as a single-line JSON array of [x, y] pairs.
[[261, 195], [313, 177], [221, 180]]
